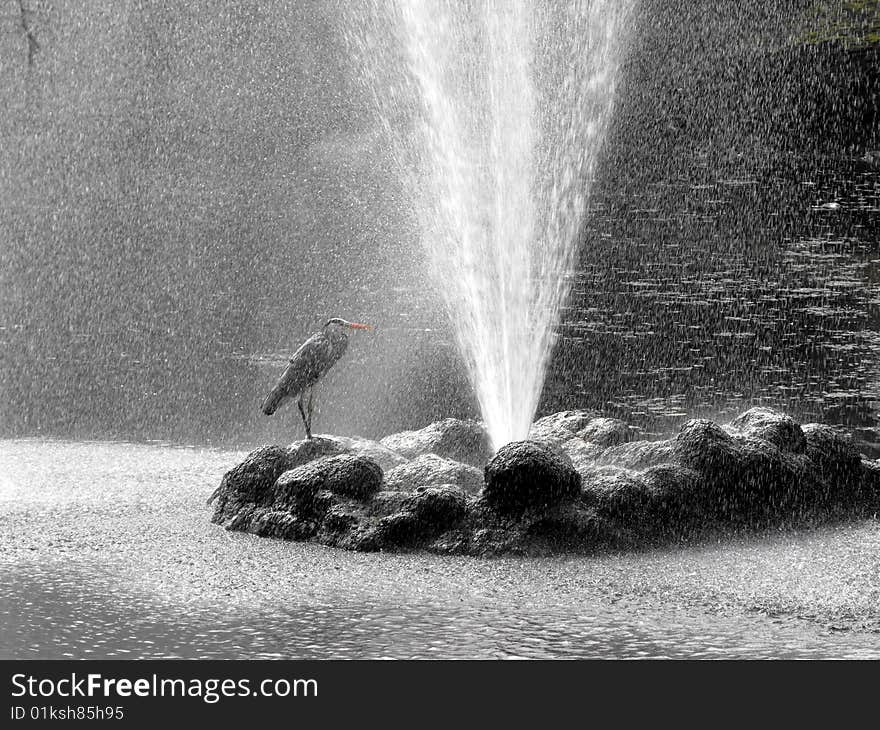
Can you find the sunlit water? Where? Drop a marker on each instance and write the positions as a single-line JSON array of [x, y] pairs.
[[106, 551], [509, 104]]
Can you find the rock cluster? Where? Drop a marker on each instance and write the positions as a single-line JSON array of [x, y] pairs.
[[581, 482]]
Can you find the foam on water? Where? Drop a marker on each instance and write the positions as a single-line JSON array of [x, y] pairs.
[[506, 103]]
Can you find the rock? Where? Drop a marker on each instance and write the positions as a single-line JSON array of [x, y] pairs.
[[387, 501], [420, 518], [526, 475], [382, 455], [251, 481], [831, 448], [557, 428], [347, 475], [398, 530], [571, 528], [638, 454], [430, 469], [339, 519], [871, 469], [772, 426], [281, 524], [768, 482], [617, 493], [582, 455], [302, 452], [706, 447], [564, 493], [307, 450], [464, 441], [746, 479], [438, 507], [606, 432], [836, 462], [676, 503]]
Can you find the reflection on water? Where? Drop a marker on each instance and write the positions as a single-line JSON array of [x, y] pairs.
[[106, 550]]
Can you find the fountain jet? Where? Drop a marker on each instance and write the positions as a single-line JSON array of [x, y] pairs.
[[508, 101]]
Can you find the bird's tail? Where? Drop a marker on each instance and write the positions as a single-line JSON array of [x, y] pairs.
[[273, 400]]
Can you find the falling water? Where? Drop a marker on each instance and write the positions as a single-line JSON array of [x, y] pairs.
[[505, 105]]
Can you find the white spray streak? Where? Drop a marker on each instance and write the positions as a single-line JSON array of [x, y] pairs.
[[514, 100]]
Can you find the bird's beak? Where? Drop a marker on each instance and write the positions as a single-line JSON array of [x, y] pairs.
[[359, 326]]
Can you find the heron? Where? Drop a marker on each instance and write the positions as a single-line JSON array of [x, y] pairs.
[[308, 365]]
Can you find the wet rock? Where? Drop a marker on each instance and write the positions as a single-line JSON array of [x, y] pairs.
[[704, 446], [666, 499], [615, 492], [430, 469], [419, 518], [526, 475], [251, 481], [831, 448], [563, 493], [347, 475], [398, 530], [607, 432], [570, 528], [745, 478], [582, 455], [772, 426], [557, 428], [387, 501], [767, 482], [302, 452], [281, 524], [382, 455], [439, 506], [676, 503], [339, 519], [638, 454], [871, 481], [464, 441], [836, 462]]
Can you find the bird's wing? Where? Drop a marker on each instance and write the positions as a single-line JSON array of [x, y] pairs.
[[306, 365]]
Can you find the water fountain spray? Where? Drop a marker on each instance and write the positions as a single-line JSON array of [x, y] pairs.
[[510, 101]]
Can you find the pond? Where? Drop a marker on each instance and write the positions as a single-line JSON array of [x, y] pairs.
[[107, 551]]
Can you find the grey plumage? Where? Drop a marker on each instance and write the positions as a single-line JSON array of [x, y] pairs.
[[308, 365]]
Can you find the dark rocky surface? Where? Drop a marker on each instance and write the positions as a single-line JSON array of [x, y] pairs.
[[433, 470], [464, 441], [524, 475], [558, 428], [581, 482]]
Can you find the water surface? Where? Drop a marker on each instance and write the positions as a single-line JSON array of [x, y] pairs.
[[107, 551]]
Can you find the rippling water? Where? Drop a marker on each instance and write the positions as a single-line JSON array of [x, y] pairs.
[[729, 283], [709, 281], [106, 550]]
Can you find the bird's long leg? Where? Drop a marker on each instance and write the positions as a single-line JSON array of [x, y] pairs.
[[306, 421], [310, 408]]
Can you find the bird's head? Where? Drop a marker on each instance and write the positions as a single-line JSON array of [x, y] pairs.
[[340, 325]]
